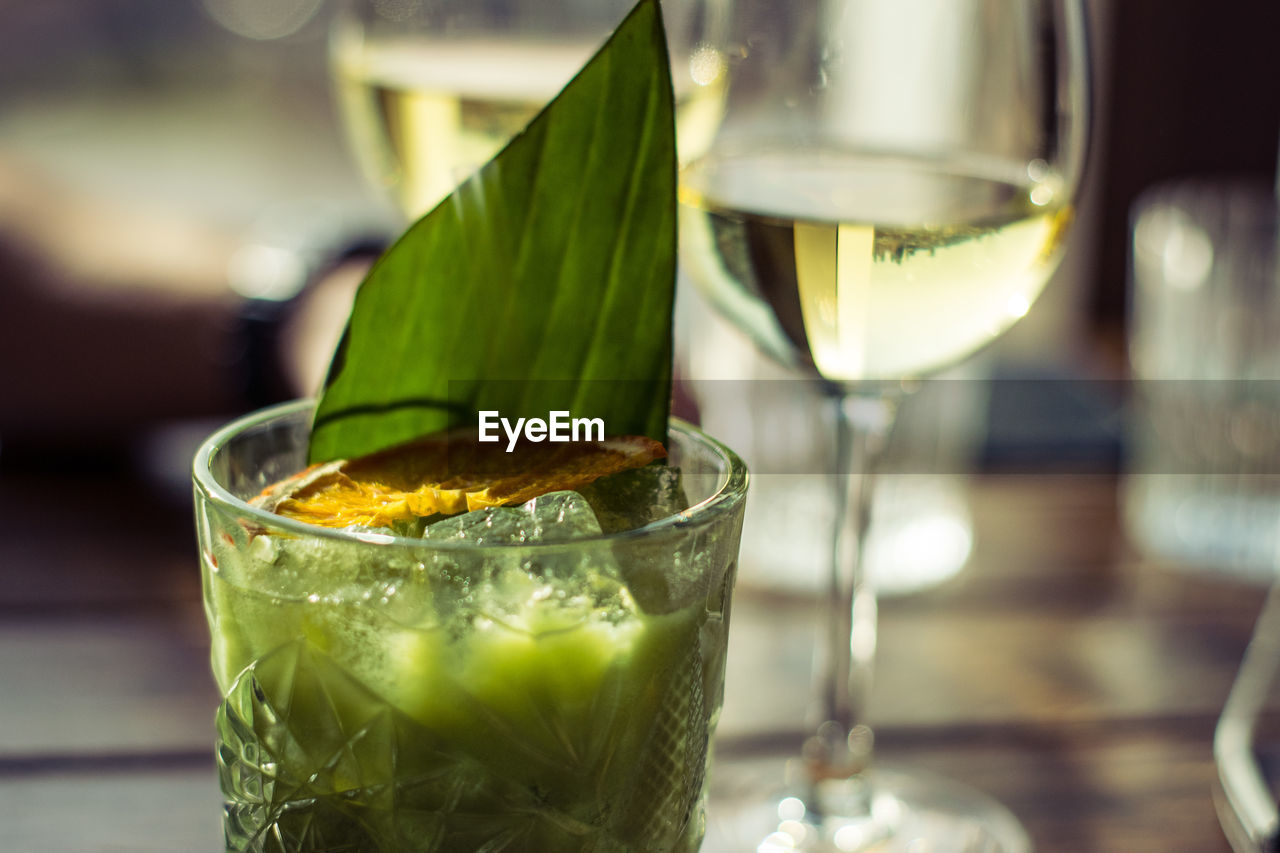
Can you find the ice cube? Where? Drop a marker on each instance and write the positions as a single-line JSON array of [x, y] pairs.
[[631, 499], [553, 517], [526, 590]]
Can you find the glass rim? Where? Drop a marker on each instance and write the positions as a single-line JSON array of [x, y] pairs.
[[723, 501]]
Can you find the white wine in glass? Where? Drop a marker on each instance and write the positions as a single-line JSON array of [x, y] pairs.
[[430, 94], [889, 190], [871, 267]]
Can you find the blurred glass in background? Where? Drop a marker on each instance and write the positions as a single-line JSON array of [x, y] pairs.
[[430, 91], [1204, 480]]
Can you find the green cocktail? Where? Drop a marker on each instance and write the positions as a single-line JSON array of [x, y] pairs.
[[459, 692]]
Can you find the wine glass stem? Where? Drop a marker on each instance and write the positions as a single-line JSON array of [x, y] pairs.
[[842, 745]]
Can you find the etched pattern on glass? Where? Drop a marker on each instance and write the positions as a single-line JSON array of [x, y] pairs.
[[311, 760]]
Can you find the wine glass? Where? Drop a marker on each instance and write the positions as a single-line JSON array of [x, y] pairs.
[[429, 90], [888, 190]]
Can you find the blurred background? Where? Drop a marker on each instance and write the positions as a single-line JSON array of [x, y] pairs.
[[172, 173]]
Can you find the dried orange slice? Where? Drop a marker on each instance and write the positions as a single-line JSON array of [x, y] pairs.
[[447, 474]]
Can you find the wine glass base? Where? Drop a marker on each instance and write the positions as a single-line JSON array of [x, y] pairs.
[[885, 810]]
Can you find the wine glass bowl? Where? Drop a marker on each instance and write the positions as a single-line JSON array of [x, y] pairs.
[[891, 183]]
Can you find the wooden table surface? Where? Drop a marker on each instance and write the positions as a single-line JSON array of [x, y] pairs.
[[1060, 672]]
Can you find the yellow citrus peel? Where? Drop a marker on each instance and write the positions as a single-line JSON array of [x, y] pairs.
[[447, 474]]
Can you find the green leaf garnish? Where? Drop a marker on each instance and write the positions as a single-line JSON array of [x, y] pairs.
[[544, 282]]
